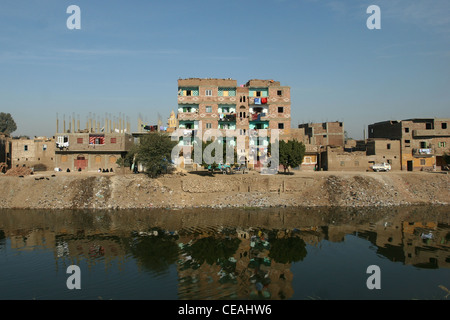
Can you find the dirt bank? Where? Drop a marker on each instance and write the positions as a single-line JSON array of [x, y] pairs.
[[110, 191]]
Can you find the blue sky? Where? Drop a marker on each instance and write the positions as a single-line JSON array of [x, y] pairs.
[[128, 56]]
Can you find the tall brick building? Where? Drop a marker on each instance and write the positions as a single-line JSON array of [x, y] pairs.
[[222, 104]]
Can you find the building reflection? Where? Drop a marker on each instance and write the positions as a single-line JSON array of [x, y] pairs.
[[236, 255]]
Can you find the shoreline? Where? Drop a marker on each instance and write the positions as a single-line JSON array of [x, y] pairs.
[[49, 190]]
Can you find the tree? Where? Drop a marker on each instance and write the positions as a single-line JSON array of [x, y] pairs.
[[127, 161], [154, 152], [291, 154], [7, 123], [287, 250]]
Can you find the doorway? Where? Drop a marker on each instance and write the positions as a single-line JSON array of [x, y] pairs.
[[409, 165]]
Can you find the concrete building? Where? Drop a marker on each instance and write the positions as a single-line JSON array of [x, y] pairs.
[[205, 104], [93, 148], [423, 142], [37, 153]]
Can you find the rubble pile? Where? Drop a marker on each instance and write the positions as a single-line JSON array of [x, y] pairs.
[[19, 171]]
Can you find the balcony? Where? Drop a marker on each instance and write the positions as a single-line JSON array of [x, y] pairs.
[[258, 116], [227, 117], [431, 133], [425, 152]]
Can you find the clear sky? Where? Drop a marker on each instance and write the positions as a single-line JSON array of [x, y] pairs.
[[128, 56]]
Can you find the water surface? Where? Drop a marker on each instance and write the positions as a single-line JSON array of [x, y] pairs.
[[226, 254]]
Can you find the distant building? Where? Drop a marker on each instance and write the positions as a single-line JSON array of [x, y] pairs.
[[37, 153], [325, 133], [423, 141], [172, 122]]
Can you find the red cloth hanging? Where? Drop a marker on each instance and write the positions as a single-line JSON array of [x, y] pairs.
[[263, 100]]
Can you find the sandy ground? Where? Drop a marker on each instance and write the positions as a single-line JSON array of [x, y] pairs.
[[58, 190]]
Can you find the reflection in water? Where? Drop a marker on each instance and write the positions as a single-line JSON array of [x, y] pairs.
[[236, 254]]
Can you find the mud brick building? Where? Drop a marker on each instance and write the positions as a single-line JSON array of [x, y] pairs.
[[325, 133], [423, 141], [316, 137], [37, 153], [335, 158]]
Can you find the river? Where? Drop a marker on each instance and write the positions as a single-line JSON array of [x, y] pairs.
[[263, 254]]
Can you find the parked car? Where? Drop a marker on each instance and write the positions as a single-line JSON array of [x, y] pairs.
[[224, 168], [381, 167]]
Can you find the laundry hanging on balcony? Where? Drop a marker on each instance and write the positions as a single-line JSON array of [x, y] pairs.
[[258, 100], [263, 100]]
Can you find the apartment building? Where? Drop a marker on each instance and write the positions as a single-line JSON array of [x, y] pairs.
[[423, 141], [222, 104]]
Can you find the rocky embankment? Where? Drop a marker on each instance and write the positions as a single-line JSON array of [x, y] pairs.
[[114, 191]]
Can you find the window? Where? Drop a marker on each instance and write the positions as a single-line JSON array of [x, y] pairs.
[[208, 125], [208, 109], [79, 140], [422, 162], [407, 141], [189, 93], [280, 109], [281, 126], [113, 140], [444, 125], [44, 147], [25, 148], [429, 126], [423, 144], [258, 93], [388, 146], [96, 139], [98, 159], [208, 92], [279, 93], [442, 144], [227, 92], [406, 130], [63, 158], [389, 161]]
